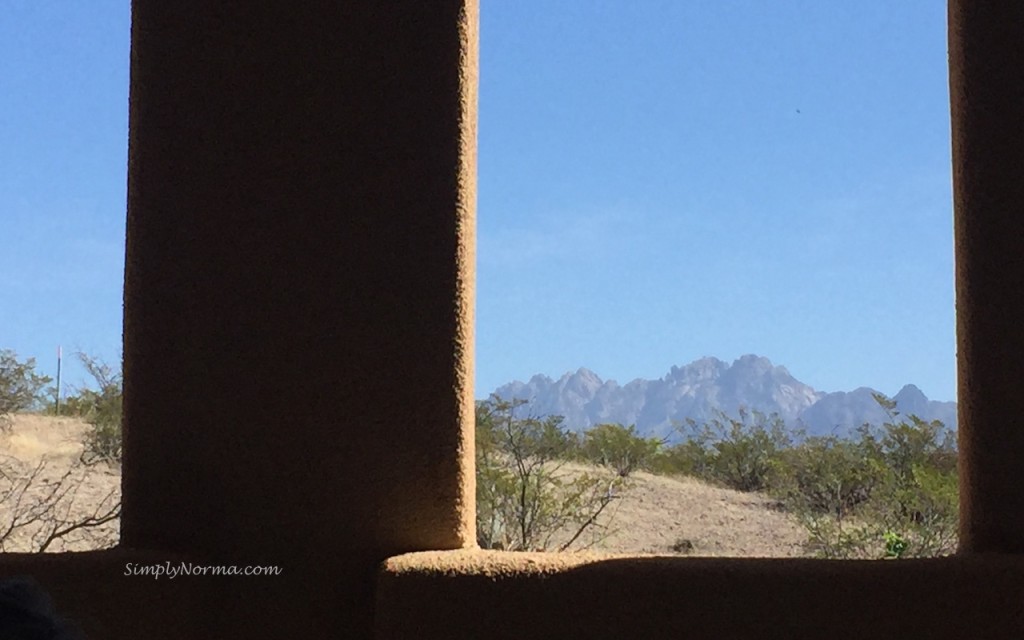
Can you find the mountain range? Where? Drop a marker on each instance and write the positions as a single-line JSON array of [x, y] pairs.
[[706, 386]]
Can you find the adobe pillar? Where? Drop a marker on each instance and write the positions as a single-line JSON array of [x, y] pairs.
[[298, 292], [987, 92]]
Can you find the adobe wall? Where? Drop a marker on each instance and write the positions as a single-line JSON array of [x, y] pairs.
[[986, 56], [469, 595], [298, 296], [101, 593]]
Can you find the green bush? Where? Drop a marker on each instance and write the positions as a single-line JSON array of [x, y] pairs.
[[743, 454], [619, 448], [687, 458], [906, 503], [826, 476], [20, 386], [101, 408], [525, 501], [895, 545], [920, 501]]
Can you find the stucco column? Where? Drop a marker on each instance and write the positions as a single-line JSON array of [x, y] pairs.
[[299, 287], [986, 41]]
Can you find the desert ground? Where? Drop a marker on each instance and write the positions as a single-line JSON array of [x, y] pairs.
[[657, 515], [45, 489]]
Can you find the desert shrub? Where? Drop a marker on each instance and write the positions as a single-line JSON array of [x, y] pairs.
[[42, 509], [74, 406], [101, 409], [915, 522], [687, 458], [743, 454], [920, 496], [833, 537], [923, 512], [20, 385], [619, 448], [912, 506], [826, 476], [526, 501]]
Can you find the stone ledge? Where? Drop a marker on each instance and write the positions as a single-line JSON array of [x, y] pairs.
[[488, 594]]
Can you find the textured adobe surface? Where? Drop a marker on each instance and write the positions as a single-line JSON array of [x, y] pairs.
[[487, 594], [298, 296], [986, 57]]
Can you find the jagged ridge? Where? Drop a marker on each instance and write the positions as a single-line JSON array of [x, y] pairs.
[[707, 385]]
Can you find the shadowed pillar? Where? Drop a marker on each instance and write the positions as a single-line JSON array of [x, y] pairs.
[[298, 293], [986, 41]]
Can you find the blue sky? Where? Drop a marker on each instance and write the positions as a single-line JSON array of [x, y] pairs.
[[658, 181]]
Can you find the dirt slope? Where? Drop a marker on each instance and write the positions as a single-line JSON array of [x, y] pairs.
[[652, 516], [44, 488], [655, 513]]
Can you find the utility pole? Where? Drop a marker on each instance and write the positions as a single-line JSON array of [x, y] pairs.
[[57, 411]]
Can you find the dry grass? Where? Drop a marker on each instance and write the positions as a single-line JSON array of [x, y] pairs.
[[33, 437], [39, 461], [655, 513], [652, 516]]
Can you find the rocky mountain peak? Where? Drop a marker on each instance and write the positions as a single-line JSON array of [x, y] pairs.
[[707, 385]]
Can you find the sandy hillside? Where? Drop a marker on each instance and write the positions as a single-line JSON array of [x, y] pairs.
[[44, 488], [652, 515], [655, 513], [36, 436]]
